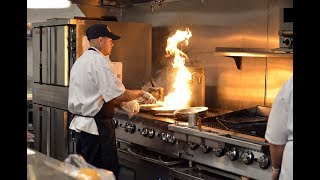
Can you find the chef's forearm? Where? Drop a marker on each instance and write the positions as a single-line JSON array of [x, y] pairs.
[[128, 95], [276, 152]]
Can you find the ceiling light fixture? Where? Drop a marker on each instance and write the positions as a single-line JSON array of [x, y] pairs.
[[42, 4]]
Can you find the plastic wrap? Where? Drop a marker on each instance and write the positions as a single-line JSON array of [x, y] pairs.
[[76, 166]]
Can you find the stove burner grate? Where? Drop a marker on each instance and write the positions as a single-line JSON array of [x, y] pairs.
[[256, 129]]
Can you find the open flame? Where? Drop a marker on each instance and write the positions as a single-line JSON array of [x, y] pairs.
[[180, 97]]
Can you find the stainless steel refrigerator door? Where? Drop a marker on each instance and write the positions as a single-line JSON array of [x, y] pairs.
[[36, 54], [51, 55], [45, 46], [41, 123], [36, 127], [59, 57], [59, 136]]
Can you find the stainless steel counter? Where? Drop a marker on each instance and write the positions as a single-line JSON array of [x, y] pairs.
[[41, 166]]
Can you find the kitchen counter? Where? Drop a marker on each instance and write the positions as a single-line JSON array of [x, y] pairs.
[[41, 166]]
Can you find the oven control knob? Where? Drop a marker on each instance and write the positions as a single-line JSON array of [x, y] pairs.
[[193, 146], [287, 42], [151, 133], [264, 162], [126, 127], [247, 157], [115, 123], [164, 136], [131, 128], [144, 131], [233, 154], [204, 148], [218, 152], [170, 138]]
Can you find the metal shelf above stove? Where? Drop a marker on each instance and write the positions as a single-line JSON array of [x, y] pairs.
[[238, 53]]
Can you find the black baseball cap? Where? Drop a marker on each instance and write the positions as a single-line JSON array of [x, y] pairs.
[[100, 30]]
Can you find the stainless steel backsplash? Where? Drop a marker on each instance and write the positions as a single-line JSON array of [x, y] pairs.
[[216, 23]]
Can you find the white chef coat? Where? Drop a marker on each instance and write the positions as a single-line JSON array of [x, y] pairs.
[[92, 81], [280, 127]]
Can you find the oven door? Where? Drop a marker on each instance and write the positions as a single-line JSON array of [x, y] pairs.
[[134, 165], [139, 163]]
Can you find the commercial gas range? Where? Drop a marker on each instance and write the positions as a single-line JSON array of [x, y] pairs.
[[228, 143], [146, 148]]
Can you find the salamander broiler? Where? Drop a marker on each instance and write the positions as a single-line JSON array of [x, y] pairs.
[[222, 145]]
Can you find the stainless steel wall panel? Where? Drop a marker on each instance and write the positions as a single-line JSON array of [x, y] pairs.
[[133, 49], [239, 89], [279, 71]]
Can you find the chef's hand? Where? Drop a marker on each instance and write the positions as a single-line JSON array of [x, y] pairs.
[[131, 107], [148, 98]]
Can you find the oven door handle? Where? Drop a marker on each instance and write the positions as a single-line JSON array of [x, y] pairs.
[[129, 151]]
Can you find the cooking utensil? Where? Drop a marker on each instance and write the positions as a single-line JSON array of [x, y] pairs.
[[163, 109], [157, 92], [142, 83], [152, 84], [149, 107], [186, 113], [222, 124], [201, 110]]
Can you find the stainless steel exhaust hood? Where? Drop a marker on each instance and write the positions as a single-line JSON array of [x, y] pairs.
[[40, 15], [78, 9]]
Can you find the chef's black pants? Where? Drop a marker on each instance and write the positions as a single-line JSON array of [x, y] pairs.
[[98, 151]]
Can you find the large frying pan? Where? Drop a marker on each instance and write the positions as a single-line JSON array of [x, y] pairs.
[[163, 111], [148, 107], [181, 114]]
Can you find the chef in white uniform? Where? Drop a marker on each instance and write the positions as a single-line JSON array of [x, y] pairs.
[[94, 91], [279, 133]]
